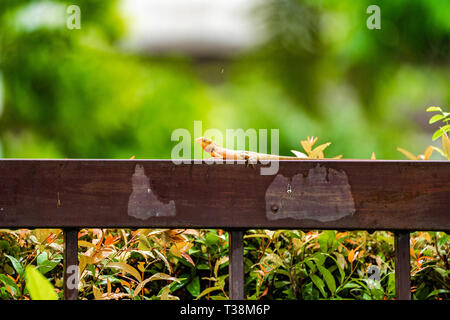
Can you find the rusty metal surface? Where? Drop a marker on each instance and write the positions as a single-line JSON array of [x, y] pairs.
[[323, 194]]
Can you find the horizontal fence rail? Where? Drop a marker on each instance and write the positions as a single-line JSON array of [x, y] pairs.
[[400, 196]]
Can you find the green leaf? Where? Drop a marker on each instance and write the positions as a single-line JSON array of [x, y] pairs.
[[202, 266], [10, 283], [431, 109], [341, 263], [16, 264], [212, 238], [319, 258], [309, 293], [437, 134], [184, 279], [442, 240], [437, 292], [323, 242], [218, 298], [45, 265], [331, 239], [219, 262], [156, 276], [194, 286], [206, 291], [438, 150], [436, 118], [38, 286], [4, 245], [329, 279], [446, 128], [351, 285], [310, 264], [319, 284], [273, 260], [126, 268]]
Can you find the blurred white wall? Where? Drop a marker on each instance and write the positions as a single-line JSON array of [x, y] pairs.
[[196, 27]]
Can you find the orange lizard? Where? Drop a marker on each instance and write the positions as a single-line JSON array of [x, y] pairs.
[[227, 154]]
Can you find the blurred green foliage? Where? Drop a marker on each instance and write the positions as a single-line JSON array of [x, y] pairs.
[[321, 72], [186, 264]]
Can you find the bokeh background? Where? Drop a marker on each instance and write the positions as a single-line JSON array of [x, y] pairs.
[[137, 70]]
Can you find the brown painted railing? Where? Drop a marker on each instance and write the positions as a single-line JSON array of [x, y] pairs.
[[401, 196]]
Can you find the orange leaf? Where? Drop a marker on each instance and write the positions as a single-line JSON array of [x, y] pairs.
[[446, 144], [351, 241], [260, 274], [97, 293], [22, 234], [412, 253], [111, 240], [126, 268], [52, 238], [125, 283], [429, 258], [263, 269], [101, 254], [108, 285], [306, 146], [80, 234], [341, 234], [318, 151], [188, 258], [408, 154], [141, 266], [196, 233], [351, 255], [265, 292], [427, 153], [426, 236]]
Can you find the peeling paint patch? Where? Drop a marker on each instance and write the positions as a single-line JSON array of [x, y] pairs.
[[322, 195], [142, 203]]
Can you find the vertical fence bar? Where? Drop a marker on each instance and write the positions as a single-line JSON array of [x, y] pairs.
[[402, 266], [236, 265], [71, 264]]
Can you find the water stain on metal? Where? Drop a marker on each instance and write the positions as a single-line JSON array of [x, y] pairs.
[[142, 203], [324, 194]]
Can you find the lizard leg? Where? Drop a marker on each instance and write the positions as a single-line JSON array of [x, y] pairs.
[[216, 156], [250, 161]]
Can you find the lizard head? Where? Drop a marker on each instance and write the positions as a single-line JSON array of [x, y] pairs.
[[204, 142]]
